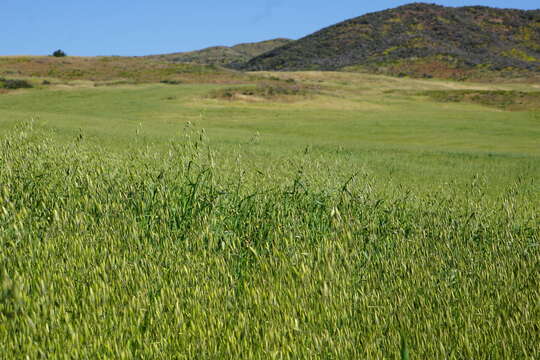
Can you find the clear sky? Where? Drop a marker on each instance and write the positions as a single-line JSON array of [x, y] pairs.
[[142, 27]]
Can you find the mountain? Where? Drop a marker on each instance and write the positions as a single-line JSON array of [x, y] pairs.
[[224, 55], [417, 39]]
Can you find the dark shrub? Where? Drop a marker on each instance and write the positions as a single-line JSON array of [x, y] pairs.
[[13, 84], [59, 53], [171, 82]]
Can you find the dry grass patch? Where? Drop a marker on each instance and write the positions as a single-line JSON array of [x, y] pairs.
[[502, 99], [282, 92]]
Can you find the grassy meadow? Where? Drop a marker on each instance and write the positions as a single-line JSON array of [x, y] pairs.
[[298, 215]]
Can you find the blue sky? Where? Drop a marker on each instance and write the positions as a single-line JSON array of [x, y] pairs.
[[142, 27]]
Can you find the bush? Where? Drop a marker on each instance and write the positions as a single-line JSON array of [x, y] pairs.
[[59, 53], [13, 84], [171, 82]]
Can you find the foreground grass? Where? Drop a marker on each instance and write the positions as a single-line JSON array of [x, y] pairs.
[[190, 253]]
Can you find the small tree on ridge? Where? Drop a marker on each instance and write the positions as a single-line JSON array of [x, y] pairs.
[[59, 53]]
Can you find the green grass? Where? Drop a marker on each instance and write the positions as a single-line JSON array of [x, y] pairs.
[[356, 224], [356, 122]]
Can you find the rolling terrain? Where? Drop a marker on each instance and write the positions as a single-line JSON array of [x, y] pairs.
[[419, 40], [297, 215], [231, 56], [111, 69]]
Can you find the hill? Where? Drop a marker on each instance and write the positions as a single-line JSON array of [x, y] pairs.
[[112, 69], [418, 39], [225, 55]]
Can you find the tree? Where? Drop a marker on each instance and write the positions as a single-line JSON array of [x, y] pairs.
[[59, 53]]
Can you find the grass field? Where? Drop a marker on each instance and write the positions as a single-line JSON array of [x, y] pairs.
[[359, 217]]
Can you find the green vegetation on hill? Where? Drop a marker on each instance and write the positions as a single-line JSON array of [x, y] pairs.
[[419, 40], [233, 56]]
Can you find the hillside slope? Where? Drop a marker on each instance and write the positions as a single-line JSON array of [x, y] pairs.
[[418, 37], [225, 55], [111, 70]]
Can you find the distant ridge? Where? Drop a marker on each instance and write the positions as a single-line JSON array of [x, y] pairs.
[[225, 55], [417, 39]]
